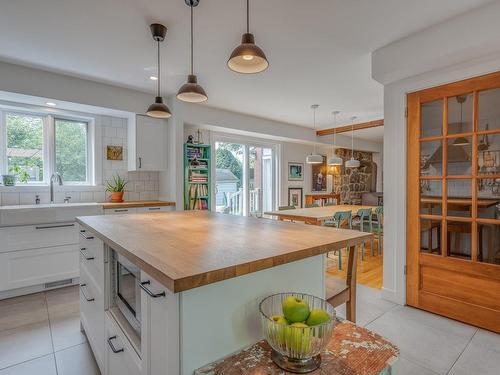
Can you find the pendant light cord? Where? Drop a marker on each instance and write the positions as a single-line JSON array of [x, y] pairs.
[[248, 16], [314, 124], [158, 68], [192, 41], [352, 139]]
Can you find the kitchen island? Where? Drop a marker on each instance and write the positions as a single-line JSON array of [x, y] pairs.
[[202, 276]]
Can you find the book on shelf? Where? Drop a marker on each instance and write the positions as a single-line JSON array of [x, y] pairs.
[[197, 195]]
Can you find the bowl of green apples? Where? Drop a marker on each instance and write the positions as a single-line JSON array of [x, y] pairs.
[[298, 328]]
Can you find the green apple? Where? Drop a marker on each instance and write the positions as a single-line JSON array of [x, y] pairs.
[[298, 339], [317, 316], [280, 319], [278, 331], [295, 309]]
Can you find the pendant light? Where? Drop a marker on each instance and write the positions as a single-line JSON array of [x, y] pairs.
[[158, 109], [334, 159], [461, 141], [352, 163], [314, 158], [248, 58], [191, 91]]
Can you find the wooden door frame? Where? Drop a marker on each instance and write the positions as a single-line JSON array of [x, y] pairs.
[[414, 258]]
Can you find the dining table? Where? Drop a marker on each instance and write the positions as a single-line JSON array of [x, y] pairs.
[[315, 215]]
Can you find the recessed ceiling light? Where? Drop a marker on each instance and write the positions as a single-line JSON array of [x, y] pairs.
[[153, 78], [51, 104]]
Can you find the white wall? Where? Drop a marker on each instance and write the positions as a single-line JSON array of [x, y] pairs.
[[464, 47]]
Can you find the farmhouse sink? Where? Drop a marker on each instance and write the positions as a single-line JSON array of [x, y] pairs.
[[46, 213]]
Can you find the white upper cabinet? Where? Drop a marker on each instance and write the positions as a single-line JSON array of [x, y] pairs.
[[147, 144]]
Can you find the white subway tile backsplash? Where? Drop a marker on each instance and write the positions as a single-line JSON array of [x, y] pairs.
[[86, 196], [10, 199], [139, 186], [27, 198], [99, 196]]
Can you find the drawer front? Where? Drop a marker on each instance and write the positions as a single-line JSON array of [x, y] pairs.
[[24, 268], [92, 313], [121, 358], [37, 236], [91, 252], [154, 209], [120, 211]]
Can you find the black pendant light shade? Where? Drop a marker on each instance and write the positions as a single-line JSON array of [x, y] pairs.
[[191, 91], [158, 109], [248, 58]]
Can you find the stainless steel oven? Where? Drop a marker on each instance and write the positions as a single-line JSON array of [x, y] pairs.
[[126, 292]]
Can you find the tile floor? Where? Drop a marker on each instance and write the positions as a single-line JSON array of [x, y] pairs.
[[40, 335]]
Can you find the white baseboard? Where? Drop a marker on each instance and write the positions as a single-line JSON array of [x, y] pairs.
[[33, 289], [392, 296]]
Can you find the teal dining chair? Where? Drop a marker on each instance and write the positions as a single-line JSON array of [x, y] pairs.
[[336, 221], [312, 205], [363, 223], [378, 228]]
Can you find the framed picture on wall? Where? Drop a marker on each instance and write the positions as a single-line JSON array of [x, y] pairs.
[[295, 197], [295, 171], [319, 172]]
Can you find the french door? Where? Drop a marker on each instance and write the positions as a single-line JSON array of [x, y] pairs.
[[245, 182], [453, 201]]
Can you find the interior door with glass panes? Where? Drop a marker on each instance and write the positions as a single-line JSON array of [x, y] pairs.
[[453, 201]]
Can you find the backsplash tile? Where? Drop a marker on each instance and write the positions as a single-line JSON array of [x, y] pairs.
[[140, 186]]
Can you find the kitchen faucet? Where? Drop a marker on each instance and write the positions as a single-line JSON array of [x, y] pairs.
[[56, 177]]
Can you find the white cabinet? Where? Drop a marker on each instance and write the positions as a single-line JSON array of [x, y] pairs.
[[160, 328], [120, 357], [147, 144]]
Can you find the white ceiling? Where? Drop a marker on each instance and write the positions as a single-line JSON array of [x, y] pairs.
[[319, 50]]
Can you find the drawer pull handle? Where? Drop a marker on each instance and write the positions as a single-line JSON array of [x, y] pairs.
[[123, 210], [82, 288], [110, 342], [82, 232], [153, 208], [55, 226], [150, 293], [87, 257]]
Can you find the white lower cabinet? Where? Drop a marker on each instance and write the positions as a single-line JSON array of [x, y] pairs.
[[120, 357]]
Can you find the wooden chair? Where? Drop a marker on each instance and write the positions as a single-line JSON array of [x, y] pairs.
[[339, 291], [361, 222], [312, 205], [329, 204], [378, 228], [337, 221]]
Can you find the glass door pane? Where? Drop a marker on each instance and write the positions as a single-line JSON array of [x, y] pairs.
[[260, 182], [460, 114], [229, 178]]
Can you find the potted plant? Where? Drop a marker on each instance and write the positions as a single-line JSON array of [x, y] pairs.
[[116, 188], [9, 179]]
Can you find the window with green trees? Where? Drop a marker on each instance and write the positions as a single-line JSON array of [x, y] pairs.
[[71, 150]]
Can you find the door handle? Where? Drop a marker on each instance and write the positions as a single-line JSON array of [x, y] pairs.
[[82, 286], [85, 255], [150, 293], [110, 343], [140, 162]]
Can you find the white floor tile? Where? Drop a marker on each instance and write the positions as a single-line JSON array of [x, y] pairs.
[[77, 360], [477, 359], [24, 310], [63, 301], [24, 343], [488, 340], [66, 331], [40, 366], [430, 347], [405, 367]]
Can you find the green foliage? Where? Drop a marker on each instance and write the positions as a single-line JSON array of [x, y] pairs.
[[117, 186], [21, 173], [71, 150], [226, 159]]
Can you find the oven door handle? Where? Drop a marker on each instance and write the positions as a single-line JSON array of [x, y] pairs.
[[150, 293], [110, 343], [82, 288]]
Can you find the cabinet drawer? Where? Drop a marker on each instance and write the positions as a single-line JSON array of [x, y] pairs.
[[121, 358], [37, 236], [23, 268], [120, 211], [92, 313], [154, 209], [91, 253]]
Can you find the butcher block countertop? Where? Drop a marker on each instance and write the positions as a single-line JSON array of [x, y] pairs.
[[188, 249], [131, 204]]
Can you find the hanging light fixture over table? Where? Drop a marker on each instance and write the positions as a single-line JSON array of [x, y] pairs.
[[158, 109], [352, 163], [334, 159], [314, 158], [248, 58], [191, 91], [461, 141]]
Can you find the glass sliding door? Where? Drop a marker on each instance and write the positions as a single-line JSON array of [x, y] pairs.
[[245, 178]]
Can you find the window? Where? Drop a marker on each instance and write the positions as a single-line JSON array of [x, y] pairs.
[[37, 145], [25, 147], [71, 150]]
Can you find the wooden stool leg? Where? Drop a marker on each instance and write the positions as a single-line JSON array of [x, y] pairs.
[[351, 281], [340, 259]]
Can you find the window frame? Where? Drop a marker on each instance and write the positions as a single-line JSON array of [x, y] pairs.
[[49, 119]]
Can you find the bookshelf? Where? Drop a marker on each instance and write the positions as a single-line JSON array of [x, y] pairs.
[[197, 179]]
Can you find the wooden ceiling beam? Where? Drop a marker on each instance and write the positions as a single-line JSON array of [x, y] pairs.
[[347, 128]]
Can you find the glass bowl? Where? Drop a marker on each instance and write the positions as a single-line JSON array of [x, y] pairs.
[[296, 349]]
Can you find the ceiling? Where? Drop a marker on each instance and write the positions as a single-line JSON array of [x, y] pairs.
[[319, 50]]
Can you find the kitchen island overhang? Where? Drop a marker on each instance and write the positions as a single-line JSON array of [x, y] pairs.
[[188, 249]]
